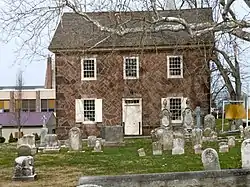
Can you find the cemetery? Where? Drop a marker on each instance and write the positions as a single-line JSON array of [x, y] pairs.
[[192, 155]]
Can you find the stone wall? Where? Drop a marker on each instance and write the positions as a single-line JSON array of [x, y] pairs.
[[110, 86], [220, 178]]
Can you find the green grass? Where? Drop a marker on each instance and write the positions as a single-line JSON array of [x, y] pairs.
[[64, 169]]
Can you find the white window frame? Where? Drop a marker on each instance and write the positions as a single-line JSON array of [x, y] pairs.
[[183, 106], [124, 67], [79, 109], [82, 69], [168, 66]]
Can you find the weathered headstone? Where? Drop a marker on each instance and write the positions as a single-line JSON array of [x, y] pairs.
[[30, 140], [98, 146], [231, 141], [165, 118], [210, 159], [24, 169], [245, 154], [188, 121], [43, 133], [141, 152], [209, 121], [223, 147], [163, 136], [75, 139], [114, 136], [241, 128], [52, 143], [157, 148], [91, 141], [198, 116], [24, 150], [197, 149], [178, 144], [197, 136]]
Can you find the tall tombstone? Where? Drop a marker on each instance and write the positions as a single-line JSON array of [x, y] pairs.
[[210, 159], [188, 120], [75, 139], [43, 133], [245, 154], [197, 136], [157, 148], [198, 116], [231, 141], [241, 128]]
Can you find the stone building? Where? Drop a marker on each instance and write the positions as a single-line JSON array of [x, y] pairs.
[[105, 79]]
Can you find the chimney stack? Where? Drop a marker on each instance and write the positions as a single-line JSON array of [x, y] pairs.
[[170, 5], [49, 73]]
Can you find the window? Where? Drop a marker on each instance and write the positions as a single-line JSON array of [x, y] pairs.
[[175, 105], [89, 69], [175, 66], [5, 105], [88, 110], [131, 68], [48, 105]]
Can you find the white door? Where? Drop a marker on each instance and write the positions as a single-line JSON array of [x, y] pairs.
[[132, 116]]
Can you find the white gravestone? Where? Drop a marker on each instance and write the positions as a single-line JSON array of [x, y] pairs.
[[52, 143], [188, 120], [157, 148], [209, 121], [30, 140], [197, 149], [223, 147], [197, 136], [43, 133], [231, 141], [241, 128], [98, 146], [245, 154], [91, 141], [247, 132], [178, 146], [141, 152], [210, 159], [75, 139]]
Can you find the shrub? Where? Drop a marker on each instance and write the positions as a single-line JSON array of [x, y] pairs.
[[12, 139], [36, 136], [2, 139]]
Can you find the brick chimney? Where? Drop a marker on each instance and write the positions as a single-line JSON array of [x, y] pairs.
[[49, 74]]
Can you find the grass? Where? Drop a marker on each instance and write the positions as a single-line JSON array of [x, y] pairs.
[[64, 169]]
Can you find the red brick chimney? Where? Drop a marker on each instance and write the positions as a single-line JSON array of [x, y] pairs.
[[49, 74]]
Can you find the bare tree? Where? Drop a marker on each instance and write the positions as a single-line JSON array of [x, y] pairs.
[[32, 20]]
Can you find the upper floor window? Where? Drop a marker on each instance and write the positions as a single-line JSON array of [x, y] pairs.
[[131, 68], [4, 105], [48, 105], [88, 69], [175, 66]]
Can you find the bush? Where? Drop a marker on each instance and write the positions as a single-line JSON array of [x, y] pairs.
[[36, 136], [12, 139], [2, 139]]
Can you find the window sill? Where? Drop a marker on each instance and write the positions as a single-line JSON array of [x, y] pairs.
[[175, 77], [89, 79], [89, 122]]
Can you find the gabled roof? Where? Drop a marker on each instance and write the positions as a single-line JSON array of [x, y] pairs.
[[74, 32], [26, 119]]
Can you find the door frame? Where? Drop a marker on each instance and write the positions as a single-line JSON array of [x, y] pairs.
[[123, 113]]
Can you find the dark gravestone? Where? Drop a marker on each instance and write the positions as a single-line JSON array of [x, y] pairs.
[[24, 150], [114, 136]]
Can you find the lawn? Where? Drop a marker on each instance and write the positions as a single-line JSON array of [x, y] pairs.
[[64, 169]]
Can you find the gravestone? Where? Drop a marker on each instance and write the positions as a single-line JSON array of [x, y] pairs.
[[24, 169], [24, 150], [197, 149], [52, 143], [163, 136], [178, 146], [157, 148], [209, 135], [223, 147], [241, 128], [231, 141], [43, 133], [30, 140], [114, 136], [188, 121], [245, 154], [198, 116], [98, 146], [210, 159], [209, 121], [75, 139], [247, 132], [91, 141], [141, 152], [197, 136], [165, 118]]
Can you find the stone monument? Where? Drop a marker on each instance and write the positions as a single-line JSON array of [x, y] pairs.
[[75, 139], [43, 133], [52, 143], [245, 154], [210, 159], [188, 120]]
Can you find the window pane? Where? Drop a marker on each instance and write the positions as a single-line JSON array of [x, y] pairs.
[[7, 105], [131, 67], [175, 108], [89, 110], [88, 68], [25, 104], [51, 103], [175, 65], [32, 105], [18, 104], [1, 104], [44, 105]]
